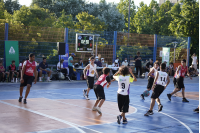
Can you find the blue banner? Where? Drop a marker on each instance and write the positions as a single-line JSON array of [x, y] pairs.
[[66, 56]]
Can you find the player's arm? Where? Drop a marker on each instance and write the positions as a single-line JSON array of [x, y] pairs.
[[36, 74], [150, 73], [96, 73], [109, 82], [86, 68], [179, 68], [155, 80], [168, 81], [130, 70]]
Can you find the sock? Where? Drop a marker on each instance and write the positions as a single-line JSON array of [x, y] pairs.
[[48, 78], [40, 78]]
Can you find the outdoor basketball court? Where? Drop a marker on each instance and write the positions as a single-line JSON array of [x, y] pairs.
[[59, 107]]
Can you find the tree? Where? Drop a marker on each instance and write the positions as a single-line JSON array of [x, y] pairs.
[[2, 8], [12, 6], [64, 21], [123, 7], [89, 22], [187, 23]]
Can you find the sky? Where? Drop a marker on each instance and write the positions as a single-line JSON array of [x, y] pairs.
[[28, 2]]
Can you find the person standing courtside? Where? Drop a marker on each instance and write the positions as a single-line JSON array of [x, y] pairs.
[[194, 61], [28, 69], [138, 63], [70, 65]]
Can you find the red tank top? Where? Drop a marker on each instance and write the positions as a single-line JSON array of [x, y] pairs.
[[102, 80], [12, 67], [1, 68], [181, 72], [30, 67]]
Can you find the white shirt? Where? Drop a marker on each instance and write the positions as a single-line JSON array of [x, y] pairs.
[[162, 78], [91, 71], [194, 60], [123, 84], [124, 63], [58, 65], [115, 65]]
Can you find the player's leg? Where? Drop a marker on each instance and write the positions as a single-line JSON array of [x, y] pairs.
[[27, 92], [183, 94], [12, 80], [40, 75], [196, 110], [49, 74], [149, 86]]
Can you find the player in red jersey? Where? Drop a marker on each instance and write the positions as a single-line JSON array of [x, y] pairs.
[[178, 80], [28, 69], [99, 89]]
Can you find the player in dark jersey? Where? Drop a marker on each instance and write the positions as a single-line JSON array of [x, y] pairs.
[[99, 89], [179, 80], [28, 69]]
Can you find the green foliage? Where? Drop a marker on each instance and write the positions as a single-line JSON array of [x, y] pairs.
[[12, 5]]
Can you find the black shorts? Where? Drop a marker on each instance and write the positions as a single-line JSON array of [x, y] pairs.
[[150, 83], [157, 91], [27, 80], [179, 83], [90, 82], [99, 92], [123, 103]]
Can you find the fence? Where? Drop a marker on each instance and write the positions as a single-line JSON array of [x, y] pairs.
[[42, 42]]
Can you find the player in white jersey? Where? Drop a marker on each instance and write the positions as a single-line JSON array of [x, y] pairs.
[[91, 70], [151, 76], [160, 83], [124, 80]]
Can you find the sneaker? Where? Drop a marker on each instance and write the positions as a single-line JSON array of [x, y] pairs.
[[148, 113], [185, 100], [169, 96], [125, 121], [49, 80], [25, 101], [20, 99], [84, 92], [99, 110], [94, 109], [12, 81], [142, 96], [40, 80], [160, 107], [87, 97], [196, 110], [119, 117]]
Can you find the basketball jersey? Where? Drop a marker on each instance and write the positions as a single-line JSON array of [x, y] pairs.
[[30, 67], [12, 67], [181, 72], [162, 78], [102, 80], [123, 84], [154, 74], [91, 70], [1, 68]]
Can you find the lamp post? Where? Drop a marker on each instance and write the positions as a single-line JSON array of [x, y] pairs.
[[129, 20], [97, 35], [174, 44]]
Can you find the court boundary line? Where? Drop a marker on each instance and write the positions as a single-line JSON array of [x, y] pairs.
[[51, 117]]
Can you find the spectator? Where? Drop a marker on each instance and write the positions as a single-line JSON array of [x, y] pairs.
[[99, 64], [194, 61], [80, 63], [3, 72], [21, 65], [115, 66], [193, 71], [104, 64], [138, 63], [125, 62], [70, 65], [43, 69], [88, 62], [118, 61], [13, 71], [61, 68], [171, 69], [149, 65]]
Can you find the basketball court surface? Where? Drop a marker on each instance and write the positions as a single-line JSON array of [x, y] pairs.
[[59, 107]]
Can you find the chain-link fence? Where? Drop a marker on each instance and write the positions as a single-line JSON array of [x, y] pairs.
[[2, 31]]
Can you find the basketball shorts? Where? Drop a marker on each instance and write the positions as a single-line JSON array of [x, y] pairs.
[[27, 80], [150, 83], [123, 103], [90, 82], [99, 92], [174, 81], [157, 91], [179, 83]]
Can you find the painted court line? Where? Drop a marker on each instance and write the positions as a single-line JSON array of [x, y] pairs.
[[51, 117]]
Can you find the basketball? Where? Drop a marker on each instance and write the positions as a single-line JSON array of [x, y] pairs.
[[146, 93]]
